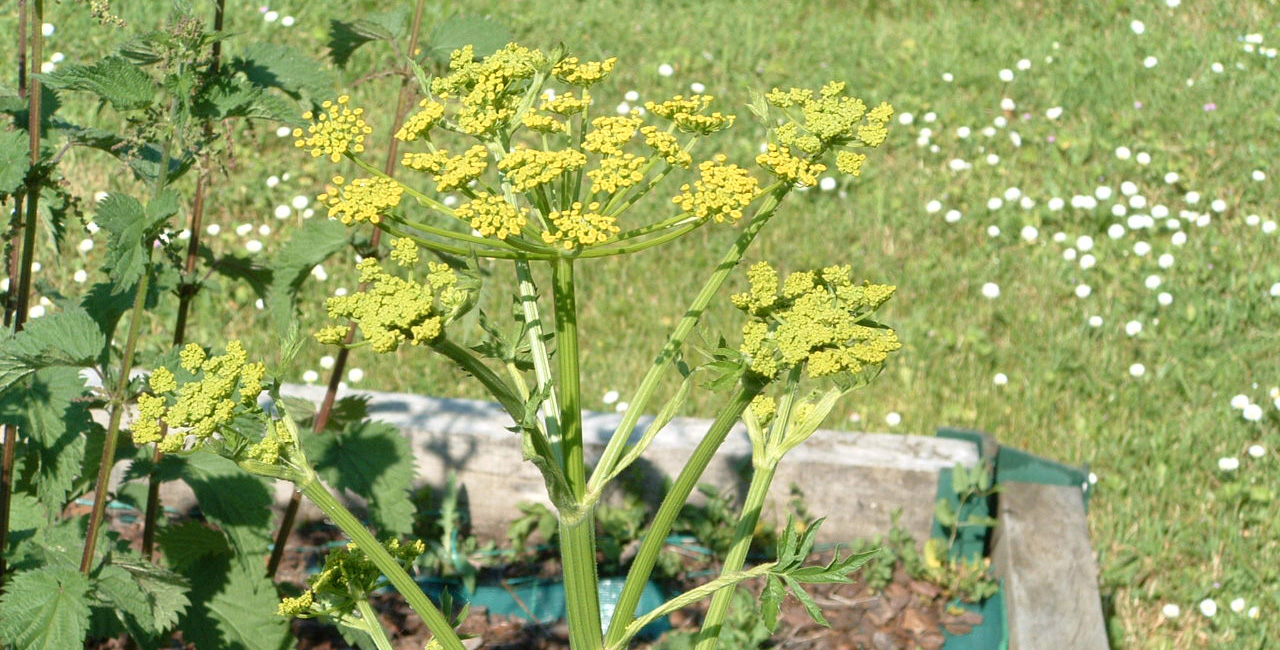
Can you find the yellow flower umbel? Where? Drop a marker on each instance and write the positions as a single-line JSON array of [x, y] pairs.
[[573, 227], [721, 191], [526, 169], [818, 319], [396, 310], [364, 199], [429, 113], [348, 576], [450, 172], [226, 386], [334, 132], [788, 167], [490, 89], [821, 122], [492, 216], [579, 73]]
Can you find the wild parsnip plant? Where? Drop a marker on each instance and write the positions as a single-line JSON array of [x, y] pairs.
[[549, 183]]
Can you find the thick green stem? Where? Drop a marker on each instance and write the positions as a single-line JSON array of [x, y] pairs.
[[372, 627], [737, 556], [581, 582], [341, 517], [118, 401], [672, 503], [617, 443]]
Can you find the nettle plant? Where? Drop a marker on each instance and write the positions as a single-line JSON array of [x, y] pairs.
[[544, 182]]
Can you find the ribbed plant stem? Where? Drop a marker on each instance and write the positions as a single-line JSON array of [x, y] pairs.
[[737, 556], [314, 490]]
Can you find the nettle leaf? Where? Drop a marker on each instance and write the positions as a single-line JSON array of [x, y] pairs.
[[15, 160], [231, 96], [49, 411], [67, 338], [144, 596], [309, 246], [238, 503], [485, 35], [113, 79], [188, 543], [373, 460], [144, 160], [273, 65], [232, 607], [131, 228], [346, 37], [45, 608]]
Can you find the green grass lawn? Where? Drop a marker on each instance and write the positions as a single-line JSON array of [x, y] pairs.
[[1078, 203]]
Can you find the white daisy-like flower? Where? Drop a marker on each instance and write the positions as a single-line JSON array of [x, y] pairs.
[[665, 70], [1143, 158], [1208, 607], [1256, 451], [1141, 249], [253, 246], [1137, 370], [310, 376], [1165, 261], [893, 419], [1150, 62], [1095, 321], [1087, 262], [1123, 153], [355, 375], [991, 290], [1053, 113], [1258, 175], [1171, 611], [933, 206], [1069, 254], [1218, 206], [993, 230], [1024, 64], [1238, 605], [1006, 75], [1133, 328], [1084, 243], [1228, 463], [1252, 413], [610, 397], [1115, 231], [1029, 233], [1152, 282], [953, 216], [1083, 291], [1179, 238], [1164, 299], [1000, 379], [827, 184], [1138, 27], [1240, 401], [995, 203]]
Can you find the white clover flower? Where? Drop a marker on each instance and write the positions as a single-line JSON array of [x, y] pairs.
[[1059, 237], [1012, 194], [260, 304], [1208, 607], [697, 87], [959, 165], [1027, 203], [1165, 261], [284, 132], [1115, 231], [271, 16], [1152, 282], [995, 203], [355, 375], [310, 376], [993, 230], [1053, 113], [1171, 611], [1141, 249], [326, 362], [213, 229], [1238, 605], [1084, 243], [1118, 210], [282, 211], [1256, 451], [1258, 175], [253, 246], [85, 245], [1179, 238], [1268, 227], [1138, 27], [1056, 203], [1006, 75], [1095, 321], [1254, 612], [1164, 299], [319, 273], [963, 132], [1029, 233], [1083, 290], [931, 117], [1137, 370], [273, 181], [991, 290], [1007, 104], [1240, 401], [287, 21], [1000, 379], [340, 291], [1133, 328], [1160, 211], [80, 276], [893, 419], [933, 206], [948, 77], [1150, 62], [1069, 254], [993, 159], [621, 407], [1128, 188], [1143, 158], [665, 70], [953, 216], [1218, 206], [1137, 201], [610, 397], [1191, 198], [1228, 463], [244, 229], [1024, 64], [1252, 413], [1123, 153], [1171, 178]]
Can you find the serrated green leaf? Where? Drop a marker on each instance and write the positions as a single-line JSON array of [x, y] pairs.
[[113, 79], [373, 460], [68, 338], [125, 220], [45, 609], [144, 160], [346, 37], [274, 65], [165, 592], [46, 408], [835, 572], [116, 590], [230, 96], [310, 245], [233, 607], [771, 601], [15, 160], [485, 35], [806, 600], [190, 542], [239, 503]]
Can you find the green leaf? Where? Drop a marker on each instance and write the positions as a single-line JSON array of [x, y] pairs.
[[233, 607], [230, 96], [113, 79], [771, 601], [114, 589], [310, 245], [66, 338], [485, 35], [274, 65], [806, 600], [164, 591], [190, 542], [56, 423], [346, 37], [239, 503], [373, 460], [130, 230], [143, 159], [46, 608], [15, 160]]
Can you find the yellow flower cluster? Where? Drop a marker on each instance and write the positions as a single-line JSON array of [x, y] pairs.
[[450, 172], [616, 172], [666, 145], [492, 216], [577, 228], [543, 123], [609, 134], [334, 132], [721, 191], [819, 319], [489, 89], [200, 408], [396, 310], [526, 168], [363, 199], [830, 119], [577, 73], [679, 105], [348, 574], [430, 112], [789, 167], [567, 104]]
